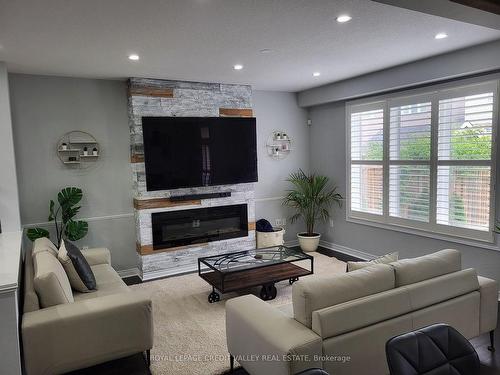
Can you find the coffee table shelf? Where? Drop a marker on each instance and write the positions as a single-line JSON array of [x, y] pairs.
[[245, 269]]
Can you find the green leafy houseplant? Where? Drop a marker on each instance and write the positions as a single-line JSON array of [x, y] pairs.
[[311, 198], [63, 217]]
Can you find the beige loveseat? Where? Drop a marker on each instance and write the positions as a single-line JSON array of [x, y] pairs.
[[88, 328], [341, 322]]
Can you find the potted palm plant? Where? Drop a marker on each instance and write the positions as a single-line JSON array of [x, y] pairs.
[[312, 197]]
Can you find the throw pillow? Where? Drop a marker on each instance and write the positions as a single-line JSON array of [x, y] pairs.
[[79, 273], [50, 280], [44, 244], [385, 259]]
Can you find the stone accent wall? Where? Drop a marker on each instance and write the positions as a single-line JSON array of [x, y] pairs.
[[152, 97]]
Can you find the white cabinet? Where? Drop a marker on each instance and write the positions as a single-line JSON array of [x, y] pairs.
[[10, 264]]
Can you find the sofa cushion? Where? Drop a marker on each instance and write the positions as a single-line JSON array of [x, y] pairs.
[[108, 282], [79, 273], [409, 271], [348, 316], [359, 313], [384, 259], [44, 244], [314, 293], [439, 289], [51, 282]]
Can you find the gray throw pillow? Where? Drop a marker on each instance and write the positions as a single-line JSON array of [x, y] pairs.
[[79, 273], [385, 259]]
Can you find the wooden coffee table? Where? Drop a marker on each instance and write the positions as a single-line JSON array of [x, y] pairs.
[[245, 269]]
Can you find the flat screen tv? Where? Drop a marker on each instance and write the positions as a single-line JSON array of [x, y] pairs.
[[181, 152]]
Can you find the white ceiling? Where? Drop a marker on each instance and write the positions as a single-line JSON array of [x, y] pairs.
[[201, 40]]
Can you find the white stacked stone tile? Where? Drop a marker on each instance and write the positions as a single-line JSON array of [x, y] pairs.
[[190, 99], [171, 263]]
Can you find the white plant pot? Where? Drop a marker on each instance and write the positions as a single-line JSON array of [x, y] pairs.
[[308, 243]]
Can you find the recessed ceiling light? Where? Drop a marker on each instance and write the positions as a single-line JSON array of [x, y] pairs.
[[344, 18], [238, 67], [133, 57], [441, 36], [316, 74]]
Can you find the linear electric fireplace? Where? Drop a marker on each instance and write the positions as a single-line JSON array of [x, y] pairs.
[[200, 225]]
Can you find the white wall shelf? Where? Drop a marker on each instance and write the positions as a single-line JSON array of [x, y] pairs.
[[279, 144], [78, 149]]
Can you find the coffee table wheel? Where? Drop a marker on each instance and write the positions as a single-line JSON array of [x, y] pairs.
[[292, 280], [213, 297], [268, 292]]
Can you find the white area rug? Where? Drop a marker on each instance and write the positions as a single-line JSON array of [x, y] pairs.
[[189, 332]]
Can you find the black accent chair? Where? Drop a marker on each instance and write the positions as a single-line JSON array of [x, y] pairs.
[[313, 371], [438, 349]]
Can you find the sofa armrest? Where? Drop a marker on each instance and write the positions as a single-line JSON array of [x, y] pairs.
[[97, 255], [488, 310], [75, 335], [266, 341]]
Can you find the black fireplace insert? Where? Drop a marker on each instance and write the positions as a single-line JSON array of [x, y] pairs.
[[200, 225]]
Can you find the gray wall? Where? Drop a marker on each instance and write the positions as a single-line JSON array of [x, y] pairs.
[[328, 156], [44, 108], [461, 63], [279, 111], [9, 198]]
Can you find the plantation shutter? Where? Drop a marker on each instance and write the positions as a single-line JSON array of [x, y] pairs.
[[425, 161], [367, 143], [410, 153], [464, 160]]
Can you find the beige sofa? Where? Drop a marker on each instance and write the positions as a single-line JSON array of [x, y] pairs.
[[341, 322], [89, 328]]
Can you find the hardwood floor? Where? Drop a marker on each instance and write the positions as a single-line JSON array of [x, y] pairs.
[[490, 361], [133, 365], [136, 365]]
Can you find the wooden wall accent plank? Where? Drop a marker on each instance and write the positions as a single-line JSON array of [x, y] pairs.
[[152, 91], [148, 249], [492, 6], [251, 225], [137, 158], [144, 204], [235, 112], [144, 249]]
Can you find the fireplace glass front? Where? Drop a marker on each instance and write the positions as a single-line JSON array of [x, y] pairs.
[[200, 225]]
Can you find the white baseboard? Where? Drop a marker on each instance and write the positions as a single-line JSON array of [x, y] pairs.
[[346, 250], [131, 272]]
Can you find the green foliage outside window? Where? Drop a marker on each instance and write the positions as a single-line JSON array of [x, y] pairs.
[[470, 144], [457, 209], [466, 144]]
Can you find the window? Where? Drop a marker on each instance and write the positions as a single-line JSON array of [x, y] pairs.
[[425, 161], [367, 158]]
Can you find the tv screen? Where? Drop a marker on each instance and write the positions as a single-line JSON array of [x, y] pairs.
[[182, 152]]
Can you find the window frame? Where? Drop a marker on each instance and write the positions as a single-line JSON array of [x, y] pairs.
[[429, 94]]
